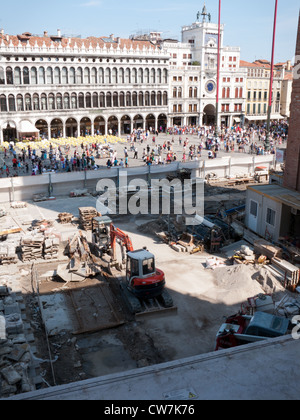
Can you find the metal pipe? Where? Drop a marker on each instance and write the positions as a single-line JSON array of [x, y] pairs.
[[267, 142], [218, 72]]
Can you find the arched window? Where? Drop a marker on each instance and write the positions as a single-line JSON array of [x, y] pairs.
[[134, 99], [42, 79], [128, 99], [147, 77], [74, 101], [122, 99], [66, 101], [141, 99], [18, 78], [165, 76], [134, 76], [175, 92], [51, 101], [165, 98], [79, 76], [9, 76], [87, 80], [102, 100], [121, 76], [88, 100], [20, 103], [11, 103], [190, 92], [44, 102], [153, 99], [159, 99], [36, 102], [114, 76], [195, 92], [140, 76], [94, 76], [95, 100], [108, 100], [2, 77], [228, 93], [115, 100], [64, 76], [147, 99], [49, 76], [59, 104], [81, 100], [101, 76], [3, 103], [33, 73], [152, 76], [28, 105], [107, 76], [127, 76], [57, 80], [26, 76], [72, 76], [159, 76], [224, 92]]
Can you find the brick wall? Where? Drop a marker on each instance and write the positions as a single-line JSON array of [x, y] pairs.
[[292, 167]]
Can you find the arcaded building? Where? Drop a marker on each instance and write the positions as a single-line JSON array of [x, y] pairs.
[[54, 86]]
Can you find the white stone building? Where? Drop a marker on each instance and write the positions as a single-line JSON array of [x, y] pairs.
[[193, 77], [57, 86]]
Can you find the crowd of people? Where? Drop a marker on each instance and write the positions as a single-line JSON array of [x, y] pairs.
[[147, 147]]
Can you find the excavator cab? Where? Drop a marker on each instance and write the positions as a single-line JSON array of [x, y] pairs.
[[143, 279], [101, 232]]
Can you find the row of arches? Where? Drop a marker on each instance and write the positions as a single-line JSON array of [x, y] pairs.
[[59, 101], [79, 76], [100, 125]]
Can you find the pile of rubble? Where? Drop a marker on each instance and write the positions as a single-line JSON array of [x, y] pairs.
[[19, 368]]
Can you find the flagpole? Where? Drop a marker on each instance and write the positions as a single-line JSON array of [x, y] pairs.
[[267, 142], [218, 73]]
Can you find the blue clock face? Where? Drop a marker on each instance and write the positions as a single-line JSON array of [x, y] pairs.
[[210, 87]]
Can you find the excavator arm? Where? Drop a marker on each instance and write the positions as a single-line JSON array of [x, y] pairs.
[[116, 233]]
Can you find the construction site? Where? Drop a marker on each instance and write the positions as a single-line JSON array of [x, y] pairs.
[[85, 295]]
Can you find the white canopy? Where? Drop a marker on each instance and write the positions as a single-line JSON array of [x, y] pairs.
[[27, 127]]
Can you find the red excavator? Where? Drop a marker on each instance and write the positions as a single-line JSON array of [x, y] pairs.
[[144, 281]]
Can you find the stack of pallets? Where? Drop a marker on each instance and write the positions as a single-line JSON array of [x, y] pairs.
[[32, 247], [51, 248], [65, 218], [8, 254], [86, 215]]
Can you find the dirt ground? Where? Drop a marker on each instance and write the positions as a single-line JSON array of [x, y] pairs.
[[202, 297]]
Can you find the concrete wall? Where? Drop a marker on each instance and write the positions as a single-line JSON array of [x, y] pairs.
[[23, 188]]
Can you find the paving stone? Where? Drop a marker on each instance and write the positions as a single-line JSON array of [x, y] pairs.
[[11, 375]]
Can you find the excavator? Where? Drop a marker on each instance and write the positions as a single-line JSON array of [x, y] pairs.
[[143, 281]]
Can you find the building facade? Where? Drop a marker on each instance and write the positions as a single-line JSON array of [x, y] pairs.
[[193, 77], [55, 86], [257, 90]]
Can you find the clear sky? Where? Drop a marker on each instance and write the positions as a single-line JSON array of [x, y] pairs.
[[248, 24]]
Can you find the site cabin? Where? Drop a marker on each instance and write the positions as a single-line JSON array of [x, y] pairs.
[[245, 329]]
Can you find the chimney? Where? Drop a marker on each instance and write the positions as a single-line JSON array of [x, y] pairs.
[[58, 33], [118, 40], [2, 31], [112, 36], [288, 65], [45, 33]]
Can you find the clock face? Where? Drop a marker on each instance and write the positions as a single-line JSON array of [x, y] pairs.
[[210, 87]]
